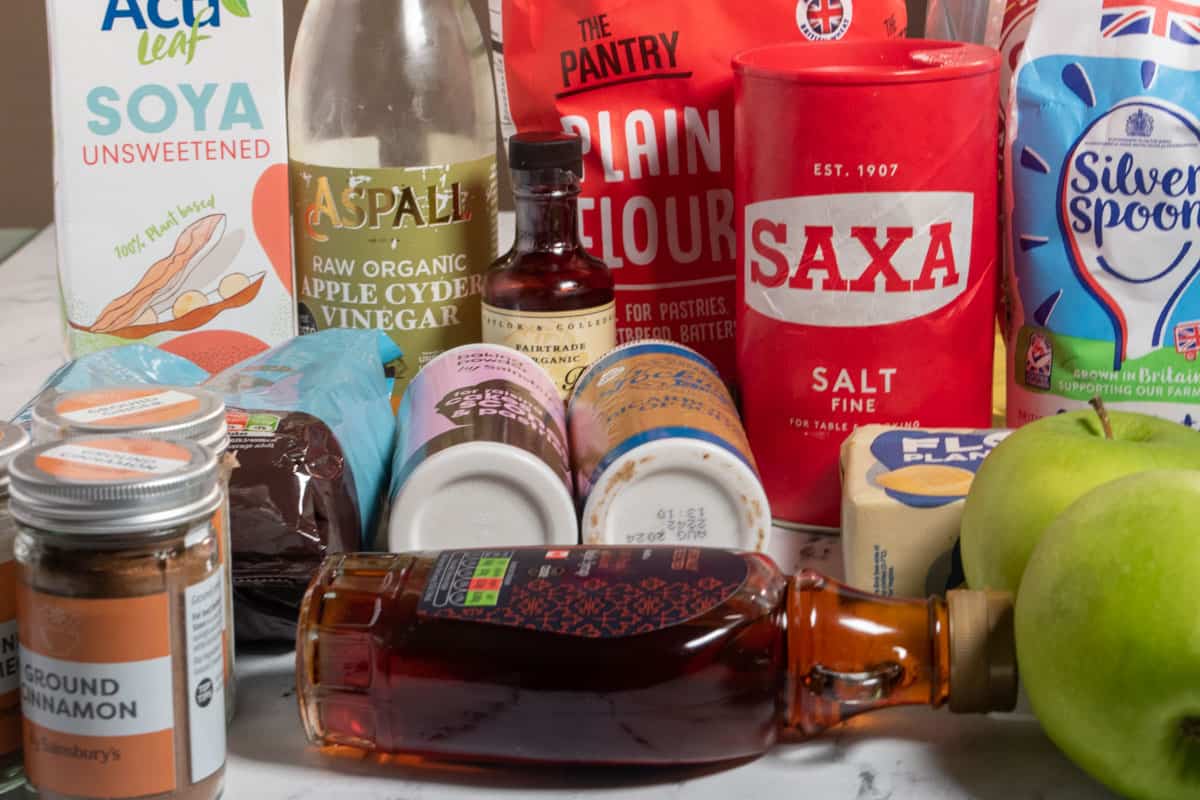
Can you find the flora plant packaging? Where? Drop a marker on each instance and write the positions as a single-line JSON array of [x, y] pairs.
[[1103, 195], [648, 87], [170, 176]]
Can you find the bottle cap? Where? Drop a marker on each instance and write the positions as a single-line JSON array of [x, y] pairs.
[[983, 653], [546, 150]]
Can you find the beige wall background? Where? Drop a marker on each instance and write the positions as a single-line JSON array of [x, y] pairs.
[[25, 135]]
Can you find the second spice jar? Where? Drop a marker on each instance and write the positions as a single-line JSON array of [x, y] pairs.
[[121, 617], [162, 412]]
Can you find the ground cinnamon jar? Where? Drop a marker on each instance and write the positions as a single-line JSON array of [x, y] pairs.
[[121, 617], [164, 412], [12, 441]]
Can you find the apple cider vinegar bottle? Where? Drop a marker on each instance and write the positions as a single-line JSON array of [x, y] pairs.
[[623, 655], [392, 125]]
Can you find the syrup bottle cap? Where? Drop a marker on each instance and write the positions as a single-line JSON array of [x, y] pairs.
[[538, 150], [983, 653]]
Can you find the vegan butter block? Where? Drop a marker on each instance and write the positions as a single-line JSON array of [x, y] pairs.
[[902, 503], [171, 196]]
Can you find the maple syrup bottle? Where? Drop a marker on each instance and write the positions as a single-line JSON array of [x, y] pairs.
[[623, 655], [547, 297]]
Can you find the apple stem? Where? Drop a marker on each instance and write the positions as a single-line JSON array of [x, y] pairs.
[[1102, 412], [1190, 728]]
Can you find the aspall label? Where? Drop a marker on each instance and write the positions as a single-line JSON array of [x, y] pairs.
[[1104, 222], [867, 282]]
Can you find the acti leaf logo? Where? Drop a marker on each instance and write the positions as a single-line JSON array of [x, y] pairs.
[[239, 8]]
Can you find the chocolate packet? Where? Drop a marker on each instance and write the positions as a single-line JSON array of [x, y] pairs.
[[311, 427]]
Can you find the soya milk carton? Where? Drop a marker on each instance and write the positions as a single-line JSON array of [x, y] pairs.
[[171, 175]]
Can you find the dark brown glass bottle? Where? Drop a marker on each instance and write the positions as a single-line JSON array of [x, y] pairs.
[[623, 655], [547, 297]]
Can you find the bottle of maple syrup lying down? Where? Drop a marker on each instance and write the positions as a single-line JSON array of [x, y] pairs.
[[623, 655]]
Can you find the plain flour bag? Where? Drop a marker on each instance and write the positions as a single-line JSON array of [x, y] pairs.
[[648, 86], [1103, 168]]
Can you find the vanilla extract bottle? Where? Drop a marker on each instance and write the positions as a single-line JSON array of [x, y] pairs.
[[623, 655], [548, 297]]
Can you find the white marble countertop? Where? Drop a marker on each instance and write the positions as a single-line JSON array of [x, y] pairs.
[[893, 755]]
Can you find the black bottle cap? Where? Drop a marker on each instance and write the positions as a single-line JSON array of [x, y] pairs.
[[546, 150]]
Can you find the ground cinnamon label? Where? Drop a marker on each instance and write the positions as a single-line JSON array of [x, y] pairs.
[[97, 690]]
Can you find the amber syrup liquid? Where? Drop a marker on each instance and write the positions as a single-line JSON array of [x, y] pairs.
[[547, 268], [777, 655]]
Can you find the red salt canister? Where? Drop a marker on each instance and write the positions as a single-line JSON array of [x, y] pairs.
[[866, 195]]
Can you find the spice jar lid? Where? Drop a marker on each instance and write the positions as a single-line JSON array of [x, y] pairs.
[[104, 485], [12, 441], [170, 412]]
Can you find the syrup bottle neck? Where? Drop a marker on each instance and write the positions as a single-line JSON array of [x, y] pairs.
[[547, 210], [850, 652]]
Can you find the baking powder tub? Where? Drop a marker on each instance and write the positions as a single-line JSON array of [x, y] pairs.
[[660, 455], [481, 457]]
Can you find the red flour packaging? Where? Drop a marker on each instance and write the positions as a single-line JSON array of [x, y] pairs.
[[866, 192], [647, 86]]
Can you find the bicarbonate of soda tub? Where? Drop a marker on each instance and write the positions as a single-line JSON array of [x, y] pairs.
[[660, 455]]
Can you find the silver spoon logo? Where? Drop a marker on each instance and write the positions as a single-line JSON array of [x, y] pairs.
[[1130, 205]]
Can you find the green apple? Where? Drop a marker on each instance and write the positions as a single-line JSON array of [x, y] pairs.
[[1108, 634], [1045, 466]]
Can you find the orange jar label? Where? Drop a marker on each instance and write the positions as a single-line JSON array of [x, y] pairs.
[[96, 685], [123, 408], [10, 674]]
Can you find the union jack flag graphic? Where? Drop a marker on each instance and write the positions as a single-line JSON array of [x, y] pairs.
[[825, 15], [1187, 339], [1170, 19]]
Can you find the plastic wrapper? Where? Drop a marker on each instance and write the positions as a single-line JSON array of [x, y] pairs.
[[312, 429]]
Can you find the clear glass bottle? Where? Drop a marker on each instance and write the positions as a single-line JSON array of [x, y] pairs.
[[623, 655], [392, 126], [548, 297]]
